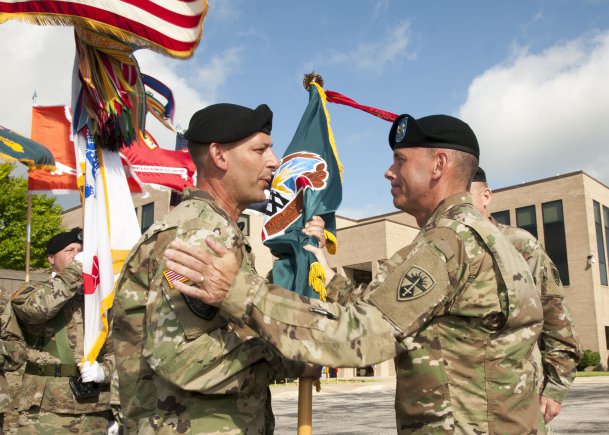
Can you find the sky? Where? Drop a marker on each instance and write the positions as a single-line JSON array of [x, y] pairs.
[[531, 77]]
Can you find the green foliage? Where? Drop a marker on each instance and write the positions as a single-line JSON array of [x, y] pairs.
[[46, 222], [590, 359]]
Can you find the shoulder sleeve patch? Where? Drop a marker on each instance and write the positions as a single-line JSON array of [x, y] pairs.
[[413, 291], [415, 283]]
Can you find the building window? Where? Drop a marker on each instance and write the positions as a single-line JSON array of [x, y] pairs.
[[244, 224], [606, 221], [147, 216], [555, 237], [526, 219], [607, 337], [503, 217], [362, 276], [600, 246], [175, 199]]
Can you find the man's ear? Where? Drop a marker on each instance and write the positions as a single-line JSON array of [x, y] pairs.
[[487, 195], [440, 164], [217, 156], [51, 259]]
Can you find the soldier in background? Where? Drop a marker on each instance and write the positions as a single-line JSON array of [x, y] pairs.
[[12, 351], [183, 366], [457, 308], [57, 395], [557, 367]]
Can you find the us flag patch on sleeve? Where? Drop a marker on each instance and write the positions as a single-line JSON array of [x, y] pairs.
[[172, 277]]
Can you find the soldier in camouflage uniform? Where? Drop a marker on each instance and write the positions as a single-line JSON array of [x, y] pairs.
[[51, 315], [184, 368], [12, 351], [458, 308], [562, 349]]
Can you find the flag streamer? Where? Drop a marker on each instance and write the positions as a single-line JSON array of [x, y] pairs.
[[335, 97]]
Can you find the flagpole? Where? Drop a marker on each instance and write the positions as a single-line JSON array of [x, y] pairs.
[[305, 385], [305, 406], [27, 236]]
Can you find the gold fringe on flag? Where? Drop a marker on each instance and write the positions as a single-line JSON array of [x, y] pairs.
[[331, 242], [317, 278]]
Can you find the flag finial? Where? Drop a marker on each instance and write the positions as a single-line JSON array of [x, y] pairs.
[[312, 77]]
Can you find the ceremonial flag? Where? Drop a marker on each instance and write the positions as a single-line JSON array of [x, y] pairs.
[[155, 165], [110, 231], [51, 126], [14, 146], [307, 183], [171, 27]]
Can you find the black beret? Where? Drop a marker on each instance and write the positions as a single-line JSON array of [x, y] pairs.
[[225, 123], [435, 131], [61, 240], [480, 175]]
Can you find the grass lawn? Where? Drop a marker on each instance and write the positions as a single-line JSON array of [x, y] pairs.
[[591, 374]]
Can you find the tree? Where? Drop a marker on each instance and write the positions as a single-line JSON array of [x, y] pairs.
[[46, 222]]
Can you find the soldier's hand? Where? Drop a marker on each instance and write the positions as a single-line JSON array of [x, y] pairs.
[[549, 408], [321, 258], [91, 372], [315, 228], [213, 275]]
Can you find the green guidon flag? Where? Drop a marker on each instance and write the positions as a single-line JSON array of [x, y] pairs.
[[13, 146], [307, 183]]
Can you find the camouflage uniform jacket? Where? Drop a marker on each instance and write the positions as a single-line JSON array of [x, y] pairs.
[[558, 339], [12, 348], [178, 371], [40, 306], [459, 310]]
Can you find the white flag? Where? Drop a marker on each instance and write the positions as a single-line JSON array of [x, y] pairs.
[[110, 230]]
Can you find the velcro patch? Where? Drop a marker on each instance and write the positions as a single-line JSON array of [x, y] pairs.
[[172, 277], [415, 283], [410, 293]]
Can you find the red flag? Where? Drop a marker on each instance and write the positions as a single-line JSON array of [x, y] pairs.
[[51, 127], [153, 164], [172, 27]]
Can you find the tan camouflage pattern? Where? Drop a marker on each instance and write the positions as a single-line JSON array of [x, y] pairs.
[[179, 373], [463, 358], [36, 304], [562, 348], [36, 422], [12, 349]]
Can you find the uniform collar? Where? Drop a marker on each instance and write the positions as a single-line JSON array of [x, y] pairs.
[[202, 195], [461, 198]]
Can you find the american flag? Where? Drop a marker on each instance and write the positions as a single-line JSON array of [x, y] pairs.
[[172, 277], [171, 27]]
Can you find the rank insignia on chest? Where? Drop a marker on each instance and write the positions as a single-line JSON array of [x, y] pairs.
[[172, 277], [415, 283]]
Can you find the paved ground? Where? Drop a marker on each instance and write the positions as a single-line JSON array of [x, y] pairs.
[[367, 408]]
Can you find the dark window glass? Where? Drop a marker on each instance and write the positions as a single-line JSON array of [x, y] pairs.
[[503, 217], [362, 276], [607, 337], [526, 219], [600, 246], [554, 235], [147, 216], [606, 221], [244, 224], [175, 199]]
